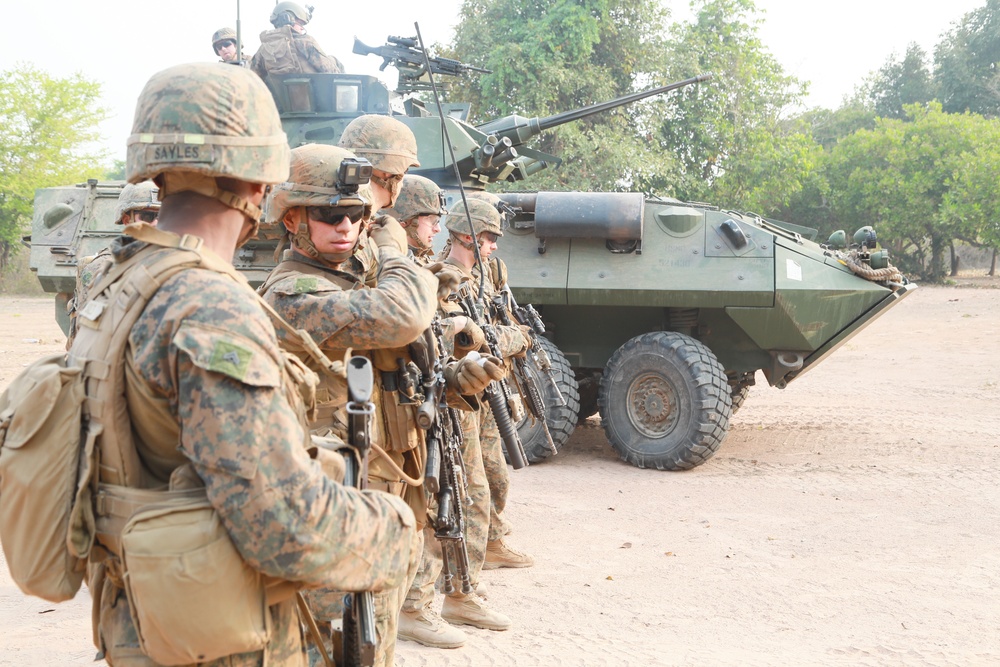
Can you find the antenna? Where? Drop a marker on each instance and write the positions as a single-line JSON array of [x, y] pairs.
[[454, 163]]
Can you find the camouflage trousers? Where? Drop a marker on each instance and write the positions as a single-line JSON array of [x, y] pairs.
[[477, 521], [497, 475], [328, 605]]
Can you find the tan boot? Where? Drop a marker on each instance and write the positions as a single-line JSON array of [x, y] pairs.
[[481, 590], [428, 628], [500, 554], [472, 610]]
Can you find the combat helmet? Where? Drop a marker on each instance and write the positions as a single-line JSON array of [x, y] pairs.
[[386, 142], [197, 122], [417, 196], [485, 218], [320, 175], [222, 34], [285, 13], [135, 196], [507, 212]]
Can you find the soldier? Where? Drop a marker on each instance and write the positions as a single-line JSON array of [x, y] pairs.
[[208, 407], [486, 471], [419, 209], [288, 49], [224, 45], [137, 202], [499, 553], [320, 286]]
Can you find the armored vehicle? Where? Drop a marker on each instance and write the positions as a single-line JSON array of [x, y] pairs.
[[663, 310]]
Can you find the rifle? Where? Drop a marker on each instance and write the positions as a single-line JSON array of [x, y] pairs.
[[529, 317], [444, 473], [405, 54], [359, 608], [525, 381], [505, 408]]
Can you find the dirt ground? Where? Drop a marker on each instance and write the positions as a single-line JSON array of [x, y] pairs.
[[851, 519]]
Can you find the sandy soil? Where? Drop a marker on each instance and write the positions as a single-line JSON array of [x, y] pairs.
[[852, 518]]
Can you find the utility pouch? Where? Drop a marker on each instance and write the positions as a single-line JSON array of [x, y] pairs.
[[46, 464], [191, 596]]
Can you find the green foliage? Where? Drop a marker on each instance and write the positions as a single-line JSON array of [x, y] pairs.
[[729, 134], [116, 172], [48, 127], [903, 177], [966, 63], [550, 57], [901, 82]]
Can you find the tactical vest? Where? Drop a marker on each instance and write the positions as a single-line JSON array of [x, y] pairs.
[[395, 429], [136, 517]]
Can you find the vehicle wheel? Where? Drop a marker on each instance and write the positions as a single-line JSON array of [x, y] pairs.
[[561, 419], [665, 401]]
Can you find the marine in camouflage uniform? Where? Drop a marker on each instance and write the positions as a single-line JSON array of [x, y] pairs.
[[318, 289], [208, 390], [288, 49], [486, 471], [224, 44], [137, 202], [419, 209]]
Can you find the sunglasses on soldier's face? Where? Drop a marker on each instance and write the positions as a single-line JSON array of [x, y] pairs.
[[146, 216], [224, 44], [489, 236], [332, 215]]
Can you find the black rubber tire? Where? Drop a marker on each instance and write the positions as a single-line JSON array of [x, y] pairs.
[[561, 419], [665, 401]]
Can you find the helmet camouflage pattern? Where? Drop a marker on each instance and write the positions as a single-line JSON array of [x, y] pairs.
[[485, 218], [313, 182], [386, 142], [223, 34], [418, 196], [210, 119], [135, 196], [291, 11]]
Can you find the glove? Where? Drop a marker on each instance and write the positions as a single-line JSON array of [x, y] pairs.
[[473, 373], [386, 232], [449, 278], [470, 337]]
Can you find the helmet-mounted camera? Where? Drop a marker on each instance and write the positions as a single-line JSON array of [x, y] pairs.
[[351, 175]]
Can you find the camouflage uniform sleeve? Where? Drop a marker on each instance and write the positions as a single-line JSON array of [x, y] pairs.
[[392, 314], [246, 442], [257, 65], [310, 49], [511, 340]]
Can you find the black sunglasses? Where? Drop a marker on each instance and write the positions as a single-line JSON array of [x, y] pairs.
[[146, 216], [332, 215], [489, 236], [223, 44]]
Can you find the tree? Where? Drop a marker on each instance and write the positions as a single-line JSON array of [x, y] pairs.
[[966, 63], [48, 127], [733, 144], [549, 57], [901, 82], [899, 176]]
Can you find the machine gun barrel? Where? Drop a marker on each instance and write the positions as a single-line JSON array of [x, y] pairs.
[[520, 129]]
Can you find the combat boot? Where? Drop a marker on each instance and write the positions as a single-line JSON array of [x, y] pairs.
[[500, 554], [426, 627], [472, 610]]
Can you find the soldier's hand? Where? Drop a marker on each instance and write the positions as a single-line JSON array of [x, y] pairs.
[[473, 373], [525, 332], [449, 278], [470, 337], [388, 233]]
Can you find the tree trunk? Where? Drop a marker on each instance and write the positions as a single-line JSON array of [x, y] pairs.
[[955, 260], [935, 270], [993, 264]]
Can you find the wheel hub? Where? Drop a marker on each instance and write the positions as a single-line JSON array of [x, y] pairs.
[[652, 405]]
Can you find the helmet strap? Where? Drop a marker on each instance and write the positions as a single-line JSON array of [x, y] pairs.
[[459, 241]]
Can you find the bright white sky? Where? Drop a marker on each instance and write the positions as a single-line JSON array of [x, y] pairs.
[[120, 43]]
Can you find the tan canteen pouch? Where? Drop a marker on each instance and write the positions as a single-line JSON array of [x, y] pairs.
[[192, 597]]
